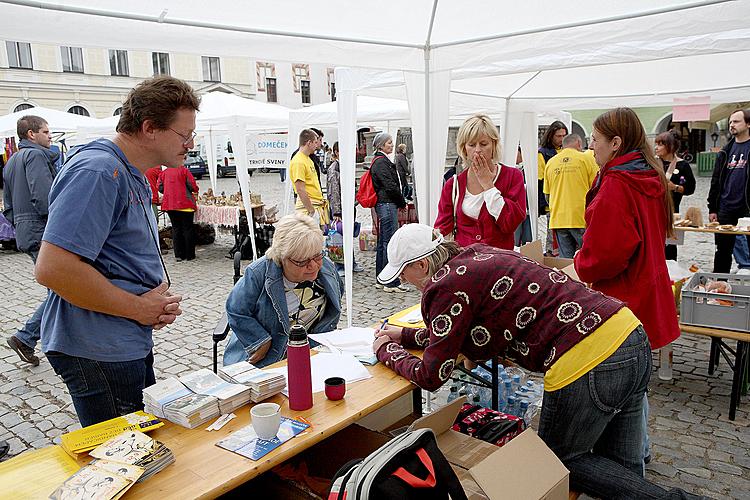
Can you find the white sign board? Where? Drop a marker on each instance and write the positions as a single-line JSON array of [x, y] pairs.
[[266, 150]]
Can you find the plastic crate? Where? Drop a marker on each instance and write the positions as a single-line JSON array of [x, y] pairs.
[[695, 309]]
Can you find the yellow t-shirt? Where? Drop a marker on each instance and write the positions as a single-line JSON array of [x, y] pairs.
[[591, 351], [540, 167], [302, 168], [567, 178]]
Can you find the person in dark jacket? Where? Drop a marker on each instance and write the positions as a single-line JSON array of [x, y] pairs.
[[403, 170], [482, 302], [27, 178], [728, 196], [681, 181], [550, 145], [180, 189], [390, 195]]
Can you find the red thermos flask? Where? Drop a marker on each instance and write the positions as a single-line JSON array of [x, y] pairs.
[[299, 372]]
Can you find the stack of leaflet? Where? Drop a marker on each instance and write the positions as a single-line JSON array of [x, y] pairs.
[[230, 396], [262, 384], [170, 399], [134, 448]]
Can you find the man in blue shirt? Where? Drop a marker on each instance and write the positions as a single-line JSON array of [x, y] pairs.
[[100, 256]]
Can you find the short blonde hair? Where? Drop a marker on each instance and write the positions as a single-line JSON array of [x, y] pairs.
[[297, 237], [471, 129]]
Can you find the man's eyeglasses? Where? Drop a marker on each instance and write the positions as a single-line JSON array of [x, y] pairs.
[[187, 138], [304, 263]]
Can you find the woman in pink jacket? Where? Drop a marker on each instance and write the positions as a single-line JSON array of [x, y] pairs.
[[179, 189], [487, 201]]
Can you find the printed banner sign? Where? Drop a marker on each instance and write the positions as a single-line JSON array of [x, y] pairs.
[[691, 109], [266, 150]]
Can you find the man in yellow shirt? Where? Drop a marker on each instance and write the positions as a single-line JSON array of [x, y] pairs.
[[310, 200], [567, 178]]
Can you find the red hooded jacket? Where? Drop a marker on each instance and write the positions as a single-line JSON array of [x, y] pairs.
[[623, 247], [178, 186]]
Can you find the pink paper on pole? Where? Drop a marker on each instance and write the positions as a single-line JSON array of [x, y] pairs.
[[691, 109]]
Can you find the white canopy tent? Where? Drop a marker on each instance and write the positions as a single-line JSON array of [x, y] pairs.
[[601, 53], [58, 121]]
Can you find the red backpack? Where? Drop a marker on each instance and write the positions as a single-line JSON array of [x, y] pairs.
[[366, 195]]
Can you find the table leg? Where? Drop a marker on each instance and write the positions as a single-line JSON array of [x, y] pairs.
[[495, 385], [416, 402], [739, 369], [713, 357]]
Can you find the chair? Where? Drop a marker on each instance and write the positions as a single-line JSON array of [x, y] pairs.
[[222, 327]]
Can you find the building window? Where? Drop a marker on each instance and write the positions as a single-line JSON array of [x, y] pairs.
[[78, 110], [333, 91], [271, 90], [263, 71], [118, 63], [72, 59], [23, 107], [330, 73], [211, 69], [300, 72], [19, 55], [161, 63], [305, 86], [117, 112]]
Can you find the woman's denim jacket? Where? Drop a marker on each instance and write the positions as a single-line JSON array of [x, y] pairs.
[[256, 311]]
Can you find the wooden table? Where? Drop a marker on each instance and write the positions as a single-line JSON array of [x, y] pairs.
[[709, 230], [203, 470], [739, 365]]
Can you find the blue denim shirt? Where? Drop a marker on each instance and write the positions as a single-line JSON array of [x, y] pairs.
[[256, 311]]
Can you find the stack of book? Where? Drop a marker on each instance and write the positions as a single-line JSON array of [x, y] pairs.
[[192, 410], [231, 396], [88, 438], [262, 384], [120, 462], [157, 397]]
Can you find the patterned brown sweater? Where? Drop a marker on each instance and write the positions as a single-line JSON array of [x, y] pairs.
[[489, 302]]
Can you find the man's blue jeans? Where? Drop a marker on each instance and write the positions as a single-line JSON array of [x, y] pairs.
[[568, 241], [103, 390], [31, 331], [594, 425], [388, 224], [741, 252]]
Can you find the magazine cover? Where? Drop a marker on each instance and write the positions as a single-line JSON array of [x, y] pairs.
[[246, 442]]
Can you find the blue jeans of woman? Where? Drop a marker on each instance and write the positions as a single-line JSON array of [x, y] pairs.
[[103, 390], [388, 224], [594, 425]]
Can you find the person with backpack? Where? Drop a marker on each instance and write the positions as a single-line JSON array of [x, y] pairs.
[[482, 302], [28, 178], [333, 182], [390, 198]]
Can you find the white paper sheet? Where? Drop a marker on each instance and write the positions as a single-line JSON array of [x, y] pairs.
[[414, 316], [355, 340], [325, 365]]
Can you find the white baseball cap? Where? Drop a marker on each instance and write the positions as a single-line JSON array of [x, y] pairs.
[[409, 244]]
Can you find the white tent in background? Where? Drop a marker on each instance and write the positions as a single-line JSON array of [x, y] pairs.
[[601, 53], [59, 121]]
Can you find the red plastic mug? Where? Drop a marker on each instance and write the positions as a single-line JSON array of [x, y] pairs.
[[335, 388]]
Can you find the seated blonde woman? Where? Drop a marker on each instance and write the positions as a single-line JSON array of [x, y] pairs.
[[487, 201], [292, 284]]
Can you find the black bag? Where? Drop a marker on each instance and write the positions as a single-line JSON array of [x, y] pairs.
[[409, 467]]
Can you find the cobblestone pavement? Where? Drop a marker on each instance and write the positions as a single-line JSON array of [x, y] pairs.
[[695, 446]]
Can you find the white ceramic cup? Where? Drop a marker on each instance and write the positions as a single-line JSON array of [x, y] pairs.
[[266, 419]]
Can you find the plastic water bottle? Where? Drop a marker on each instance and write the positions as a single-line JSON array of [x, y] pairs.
[[511, 408], [523, 411], [516, 382], [299, 372], [453, 394], [507, 388]]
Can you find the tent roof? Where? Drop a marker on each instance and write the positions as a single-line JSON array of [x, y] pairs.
[[219, 108], [59, 121]]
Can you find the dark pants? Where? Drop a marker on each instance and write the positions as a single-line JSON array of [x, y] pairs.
[[569, 241], [103, 390], [30, 332], [387, 225], [725, 244], [183, 234]]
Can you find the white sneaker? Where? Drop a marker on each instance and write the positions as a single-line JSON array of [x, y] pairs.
[[396, 289], [743, 271]]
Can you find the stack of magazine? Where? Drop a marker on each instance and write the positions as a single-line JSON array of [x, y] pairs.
[[88, 438], [262, 384], [118, 464], [231, 396], [170, 399]]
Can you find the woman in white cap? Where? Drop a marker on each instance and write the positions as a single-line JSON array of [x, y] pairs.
[[388, 188], [482, 302]]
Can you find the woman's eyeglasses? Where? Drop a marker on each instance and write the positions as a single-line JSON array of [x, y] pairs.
[[304, 263]]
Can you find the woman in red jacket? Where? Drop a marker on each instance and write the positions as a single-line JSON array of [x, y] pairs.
[[628, 217], [179, 188], [487, 201]]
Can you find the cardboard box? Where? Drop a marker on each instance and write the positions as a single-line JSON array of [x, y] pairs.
[[533, 251], [522, 469]]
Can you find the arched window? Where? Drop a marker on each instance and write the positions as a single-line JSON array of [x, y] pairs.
[[23, 107], [117, 112], [78, 110]]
